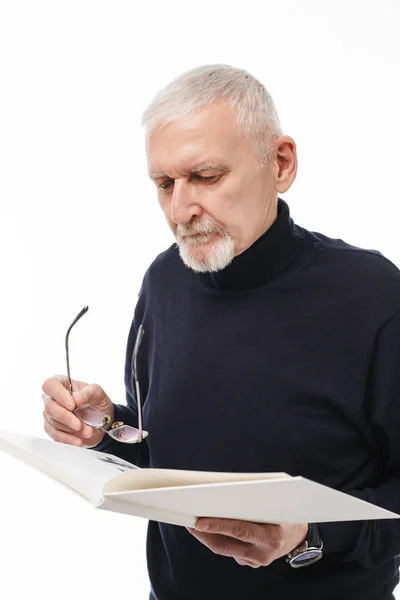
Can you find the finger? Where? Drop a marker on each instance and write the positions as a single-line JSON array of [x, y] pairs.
[[76, 385], [92, 394], [85, 432], [45, 398], [220, 544], [61, 436], [56, 424], [62, 415], [247, 563], [251, 533], [54, 388], [58, 387]]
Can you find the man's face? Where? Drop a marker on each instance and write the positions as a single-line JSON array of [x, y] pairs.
[[215, 196]]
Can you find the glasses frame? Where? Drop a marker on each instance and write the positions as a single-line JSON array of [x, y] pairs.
[[107, 418]]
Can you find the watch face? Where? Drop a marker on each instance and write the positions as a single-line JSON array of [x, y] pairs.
[[306, 557]]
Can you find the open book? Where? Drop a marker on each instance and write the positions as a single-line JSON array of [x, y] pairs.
[[179, 497]]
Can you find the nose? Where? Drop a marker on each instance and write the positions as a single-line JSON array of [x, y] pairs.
[[183, 204]]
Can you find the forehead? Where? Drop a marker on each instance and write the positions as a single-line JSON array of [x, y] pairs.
[[207, 136]]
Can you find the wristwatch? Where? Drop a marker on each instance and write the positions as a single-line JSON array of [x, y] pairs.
[[309, 551]]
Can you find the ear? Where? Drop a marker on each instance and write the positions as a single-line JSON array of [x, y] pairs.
[[285, 159]]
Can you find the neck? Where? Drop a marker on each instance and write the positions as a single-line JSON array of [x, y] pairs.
[[270, 254]]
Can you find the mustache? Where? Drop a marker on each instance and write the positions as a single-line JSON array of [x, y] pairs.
[[199, 229]]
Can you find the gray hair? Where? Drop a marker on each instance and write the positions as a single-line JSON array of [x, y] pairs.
[[256, 116]]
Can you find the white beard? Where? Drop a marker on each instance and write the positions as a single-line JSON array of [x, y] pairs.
[[218, 258]]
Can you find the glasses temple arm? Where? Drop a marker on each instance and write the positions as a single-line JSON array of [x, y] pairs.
[[83, 311], [137, 388]]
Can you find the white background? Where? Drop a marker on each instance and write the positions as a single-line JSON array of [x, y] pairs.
[[80, 222]]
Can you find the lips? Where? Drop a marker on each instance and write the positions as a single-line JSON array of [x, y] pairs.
[[199, 237]]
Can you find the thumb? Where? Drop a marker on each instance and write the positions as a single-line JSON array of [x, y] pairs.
[[94, 395], [86, 395]]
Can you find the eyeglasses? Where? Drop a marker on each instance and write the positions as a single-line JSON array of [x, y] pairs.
[[96, 418]]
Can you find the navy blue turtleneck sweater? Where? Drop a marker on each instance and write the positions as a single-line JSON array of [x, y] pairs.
[[286, 360]]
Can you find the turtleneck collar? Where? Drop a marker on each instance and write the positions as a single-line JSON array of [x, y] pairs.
[[269, 255]]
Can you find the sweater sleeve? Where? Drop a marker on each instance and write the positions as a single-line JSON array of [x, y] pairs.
[[373, 542]]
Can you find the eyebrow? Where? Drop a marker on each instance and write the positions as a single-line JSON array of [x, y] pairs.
[[205, 166]]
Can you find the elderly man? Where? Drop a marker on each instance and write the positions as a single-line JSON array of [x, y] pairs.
[[267, 347]]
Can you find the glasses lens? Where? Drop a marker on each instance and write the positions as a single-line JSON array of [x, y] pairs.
[[90, 415], [127, 434]]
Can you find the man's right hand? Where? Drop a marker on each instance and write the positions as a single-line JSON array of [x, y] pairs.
[[60, 423]]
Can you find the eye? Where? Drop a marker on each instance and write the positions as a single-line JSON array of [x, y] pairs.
[[165, 184], [210, 179]]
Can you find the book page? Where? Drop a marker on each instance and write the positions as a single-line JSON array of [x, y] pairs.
[[161, 478], [83, 470], [280, 500]]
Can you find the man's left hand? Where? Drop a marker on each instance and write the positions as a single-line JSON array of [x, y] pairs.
[[251, 544]]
